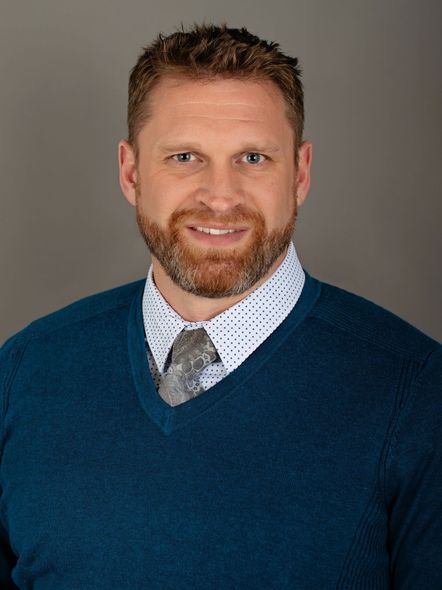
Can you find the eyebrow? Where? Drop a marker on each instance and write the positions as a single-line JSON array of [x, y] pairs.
[[196, 147], [180, 147], [263, 147]]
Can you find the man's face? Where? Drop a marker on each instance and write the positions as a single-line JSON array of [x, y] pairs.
[[215, 183]]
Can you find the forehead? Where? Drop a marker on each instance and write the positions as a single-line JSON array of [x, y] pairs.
[[217, 103]]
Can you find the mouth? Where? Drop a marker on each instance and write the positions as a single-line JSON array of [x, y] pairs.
[[216, 231], [216, 236]]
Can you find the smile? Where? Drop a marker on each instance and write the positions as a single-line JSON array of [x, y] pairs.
[[215, 231]]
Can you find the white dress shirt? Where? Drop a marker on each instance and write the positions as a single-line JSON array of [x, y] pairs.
[[236, 332]]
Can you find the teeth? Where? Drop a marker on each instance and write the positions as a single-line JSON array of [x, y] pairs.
[[215, 232]]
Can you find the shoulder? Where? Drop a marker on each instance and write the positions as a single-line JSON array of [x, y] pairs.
[[79, 311], [367, 322], [76, 318]]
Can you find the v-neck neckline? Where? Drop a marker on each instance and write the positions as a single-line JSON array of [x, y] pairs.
[[170, 418]]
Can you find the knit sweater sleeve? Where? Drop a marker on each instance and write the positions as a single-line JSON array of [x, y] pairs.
[[10, 354], [414, 483]]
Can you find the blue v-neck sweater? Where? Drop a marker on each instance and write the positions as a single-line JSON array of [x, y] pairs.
[[315, 465]]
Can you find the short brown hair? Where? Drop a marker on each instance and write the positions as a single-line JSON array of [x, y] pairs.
[[210, 51]]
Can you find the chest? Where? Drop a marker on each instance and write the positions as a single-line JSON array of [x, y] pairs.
[[256, 491]]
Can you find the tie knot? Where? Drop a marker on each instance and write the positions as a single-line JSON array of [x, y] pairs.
[[192, 351], [195, 347]]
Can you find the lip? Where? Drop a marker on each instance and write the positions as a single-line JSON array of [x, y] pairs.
[[216, 226]]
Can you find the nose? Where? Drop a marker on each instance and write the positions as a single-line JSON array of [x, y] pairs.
[[221, 188]]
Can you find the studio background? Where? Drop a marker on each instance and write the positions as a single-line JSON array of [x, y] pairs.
[[373, 81]]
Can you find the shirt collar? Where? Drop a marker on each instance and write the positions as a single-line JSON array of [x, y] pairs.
[[230, 331]]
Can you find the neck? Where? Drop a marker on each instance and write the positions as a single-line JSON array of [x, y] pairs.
[[193, 308]]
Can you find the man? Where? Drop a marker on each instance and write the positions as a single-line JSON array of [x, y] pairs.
[[230, 422]]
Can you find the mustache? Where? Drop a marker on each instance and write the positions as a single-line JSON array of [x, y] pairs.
[[239, 214]]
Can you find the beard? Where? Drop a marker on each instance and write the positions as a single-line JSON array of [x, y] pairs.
[[215, 272]]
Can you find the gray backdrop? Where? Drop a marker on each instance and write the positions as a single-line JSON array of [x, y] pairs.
[[372, 74]]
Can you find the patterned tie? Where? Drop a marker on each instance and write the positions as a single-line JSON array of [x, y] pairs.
[[192, 351]]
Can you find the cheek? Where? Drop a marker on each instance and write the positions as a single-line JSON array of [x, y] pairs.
[[159, 198], [277, 203]]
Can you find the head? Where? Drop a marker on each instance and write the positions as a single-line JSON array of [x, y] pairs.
[[215, 120]]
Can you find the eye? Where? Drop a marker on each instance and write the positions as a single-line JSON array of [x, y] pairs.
[[184, 157], [254, 158]]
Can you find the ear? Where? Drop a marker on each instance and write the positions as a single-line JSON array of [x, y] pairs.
[[128, 171], [303, 172]]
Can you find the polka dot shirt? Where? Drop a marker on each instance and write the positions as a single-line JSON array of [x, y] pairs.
[[236, 332]]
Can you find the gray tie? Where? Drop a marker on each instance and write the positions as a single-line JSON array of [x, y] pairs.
[[192, 351]]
